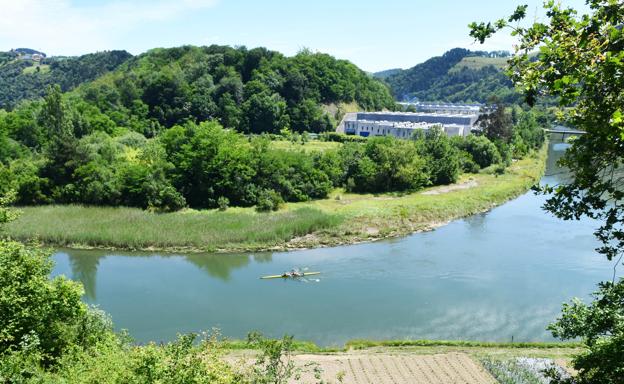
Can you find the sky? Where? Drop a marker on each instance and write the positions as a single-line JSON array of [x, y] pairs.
[[375, 35]]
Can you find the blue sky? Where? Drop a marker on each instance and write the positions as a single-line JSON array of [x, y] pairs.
[[375, 35]]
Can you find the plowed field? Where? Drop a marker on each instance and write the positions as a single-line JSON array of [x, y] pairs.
[[397, 369]]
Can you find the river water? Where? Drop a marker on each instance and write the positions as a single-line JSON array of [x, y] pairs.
[[488, 277]]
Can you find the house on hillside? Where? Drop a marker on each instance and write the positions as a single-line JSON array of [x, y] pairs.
[[29, 54]]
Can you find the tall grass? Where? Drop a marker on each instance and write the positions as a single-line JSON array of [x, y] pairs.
[[132, 228], [343, 218]]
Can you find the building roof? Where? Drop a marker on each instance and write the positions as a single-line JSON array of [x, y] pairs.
[[398, 124]]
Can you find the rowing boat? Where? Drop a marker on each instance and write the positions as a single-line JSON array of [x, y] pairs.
[[284, 276]]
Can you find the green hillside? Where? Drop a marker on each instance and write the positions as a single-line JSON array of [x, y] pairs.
[[254, 91], [480, 62], [167, 129], [26, 79], [459, 75], [387, 73]]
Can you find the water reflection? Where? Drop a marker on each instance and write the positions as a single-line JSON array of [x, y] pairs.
[[492, 276], [84, 264]]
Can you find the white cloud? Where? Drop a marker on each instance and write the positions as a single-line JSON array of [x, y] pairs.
[[60, 27]]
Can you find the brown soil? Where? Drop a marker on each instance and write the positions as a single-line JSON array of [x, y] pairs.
[[397, 368]]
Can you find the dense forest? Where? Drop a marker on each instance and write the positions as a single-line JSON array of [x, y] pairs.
[[253, 90], [191, 126], [25, 79], [55, 151], [454, 77]]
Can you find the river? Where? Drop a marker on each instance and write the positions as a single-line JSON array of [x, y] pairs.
[[489, 277]]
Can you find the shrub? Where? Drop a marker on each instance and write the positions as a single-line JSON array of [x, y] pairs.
[[34, 306], [384, 164], [443, 162], [483, 152], [341, 137], [223, 203], [269, 200], [468, 165]]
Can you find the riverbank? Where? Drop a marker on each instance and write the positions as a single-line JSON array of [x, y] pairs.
[[343, 218]]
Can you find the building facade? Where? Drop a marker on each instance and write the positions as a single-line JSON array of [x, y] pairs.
[[440, 107], [404, 124]]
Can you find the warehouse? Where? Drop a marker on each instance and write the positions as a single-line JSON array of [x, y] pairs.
[[404, 124]]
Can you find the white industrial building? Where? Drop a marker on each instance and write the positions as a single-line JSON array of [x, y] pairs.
[[404, 124], [441, 107]]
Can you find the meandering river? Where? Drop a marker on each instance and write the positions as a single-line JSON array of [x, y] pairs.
[[488, 277]]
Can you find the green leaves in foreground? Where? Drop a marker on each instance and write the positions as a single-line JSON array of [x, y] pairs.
[[601, 326], [580, 61]]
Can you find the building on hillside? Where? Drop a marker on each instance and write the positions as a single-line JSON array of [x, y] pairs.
[[28, 54], [404, 124]]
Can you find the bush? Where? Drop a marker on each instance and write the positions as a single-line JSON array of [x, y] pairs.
[[223, 203], [384, 164], [483, 152], [341, 137], [499, 169], [35, 307], [443, 160], [468, 165], [600, 325], [180, 362], [269, 200]]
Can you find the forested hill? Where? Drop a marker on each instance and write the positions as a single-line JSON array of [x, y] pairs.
[[459, 75], [27, 79], [251, 90]]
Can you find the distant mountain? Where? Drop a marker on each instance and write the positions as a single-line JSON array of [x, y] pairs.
[[459, 75], [28, 79], [387, 73]]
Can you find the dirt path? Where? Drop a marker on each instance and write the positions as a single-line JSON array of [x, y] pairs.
[[450, 188], [395, 368]]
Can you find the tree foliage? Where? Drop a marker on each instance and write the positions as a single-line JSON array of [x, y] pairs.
[[17, 83], [581, 60], [192, 126], [601, 326]]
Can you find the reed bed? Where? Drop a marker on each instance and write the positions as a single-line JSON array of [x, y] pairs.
[[131, 228]]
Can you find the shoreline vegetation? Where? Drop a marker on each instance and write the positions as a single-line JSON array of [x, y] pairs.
[[342, 218], [299, 346]]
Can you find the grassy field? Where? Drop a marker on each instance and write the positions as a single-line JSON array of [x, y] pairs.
[[343, 218], [310, 146], [478, 62], [43, 68]]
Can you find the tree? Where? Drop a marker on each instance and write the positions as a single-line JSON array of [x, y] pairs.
[[386, 164], [61, 149], [36, 311], [581, 61], [496, 125], [482, 151], [443, 160], [603, 362]]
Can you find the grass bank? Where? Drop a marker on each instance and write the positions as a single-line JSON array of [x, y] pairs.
[[343, 218], [372, 217], [131, 228], [539, 348]]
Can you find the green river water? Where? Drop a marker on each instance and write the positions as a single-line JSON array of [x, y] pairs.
[[488, 277]]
